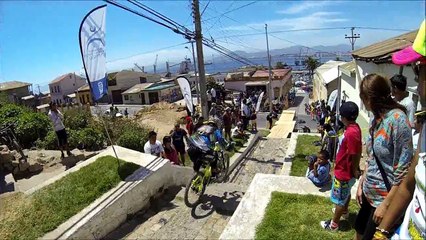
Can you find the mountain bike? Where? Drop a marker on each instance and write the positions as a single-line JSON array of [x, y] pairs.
[[8, 138], [197, 185]]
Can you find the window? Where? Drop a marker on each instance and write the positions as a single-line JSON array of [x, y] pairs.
[[126, 97], [142, 79]]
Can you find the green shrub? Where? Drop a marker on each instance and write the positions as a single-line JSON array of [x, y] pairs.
[[92, 139], [76, 118], [129, 134], [32, 126], [50, 142], [10, 113]]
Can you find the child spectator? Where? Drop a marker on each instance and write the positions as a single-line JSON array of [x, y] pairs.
[[347, 165], [170, 151], [319, 171]]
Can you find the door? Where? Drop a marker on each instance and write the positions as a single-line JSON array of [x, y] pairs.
[[116, 96], [153, 97]]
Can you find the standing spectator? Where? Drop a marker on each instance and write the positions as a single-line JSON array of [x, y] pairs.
[[420, 118], [177, 135], [153, 146], [347, 165], [390, 151], [245, 114], [213, 111], [209, 100], [170, 151], [57, 119], [199, 123], [227, 123], [253, 118], [410, 197], [189, 125], [399, 91], [213, 93], [270, 119], [126, 113]]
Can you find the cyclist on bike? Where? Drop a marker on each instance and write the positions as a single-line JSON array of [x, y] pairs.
[[202, 143]]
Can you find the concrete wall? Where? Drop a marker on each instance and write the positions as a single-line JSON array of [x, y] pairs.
[[135, 98], [130, 196]]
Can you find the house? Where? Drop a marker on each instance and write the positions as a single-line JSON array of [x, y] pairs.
[[281, 81], [15, 90], [119, 82], [63, 86], [377, 58], [83, 95], [149, 93], [44, 97], [325, 79]]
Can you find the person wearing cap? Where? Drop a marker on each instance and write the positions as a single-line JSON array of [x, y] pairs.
[[389, 154], [346, 168], [177, 136], [399, 91], [227, 123], [153, 146], [410, 195]]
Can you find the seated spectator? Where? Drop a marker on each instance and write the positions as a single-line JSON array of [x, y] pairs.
[[170, 151], [238, 131], [319, 171]]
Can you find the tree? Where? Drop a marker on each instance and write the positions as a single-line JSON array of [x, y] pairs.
[[311, 64], [280, 65]]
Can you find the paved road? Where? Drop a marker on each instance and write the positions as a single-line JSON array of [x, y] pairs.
[[169, 218], [299, 107]]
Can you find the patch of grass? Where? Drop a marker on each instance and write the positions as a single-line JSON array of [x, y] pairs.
[[30, 217], [304, 147], [264, 132], [294, 216]]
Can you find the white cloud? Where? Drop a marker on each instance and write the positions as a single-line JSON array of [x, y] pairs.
[[314, 20], [302, 6]]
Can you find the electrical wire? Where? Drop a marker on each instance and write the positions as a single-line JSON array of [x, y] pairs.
[[232, 10], [205, 8]]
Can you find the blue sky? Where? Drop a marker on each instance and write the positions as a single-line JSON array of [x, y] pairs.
[[39, 39]]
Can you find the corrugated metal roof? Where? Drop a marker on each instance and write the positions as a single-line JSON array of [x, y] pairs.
[[27, 97], [13, 85], [382, 51], [328, 71], [137, 88]]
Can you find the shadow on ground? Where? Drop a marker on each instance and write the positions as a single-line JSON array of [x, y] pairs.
[[223, 205]]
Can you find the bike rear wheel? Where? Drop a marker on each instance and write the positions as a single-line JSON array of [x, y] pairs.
[[223, 167], [194, 190]]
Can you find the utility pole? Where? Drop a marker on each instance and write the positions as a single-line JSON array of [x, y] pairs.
[[352, 38], [197, 83], [270, 69], [200, 58]]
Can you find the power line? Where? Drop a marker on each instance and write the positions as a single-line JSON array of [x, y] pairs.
[[177, 28], [205, 8], [232, 10], [315, 29]]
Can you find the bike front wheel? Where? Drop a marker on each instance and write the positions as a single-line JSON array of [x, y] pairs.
[[223, 167], [194, 190]]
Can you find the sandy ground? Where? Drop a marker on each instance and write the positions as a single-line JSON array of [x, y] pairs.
[[161, 117]]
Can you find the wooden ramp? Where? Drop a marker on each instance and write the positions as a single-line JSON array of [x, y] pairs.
[[284, 125]]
